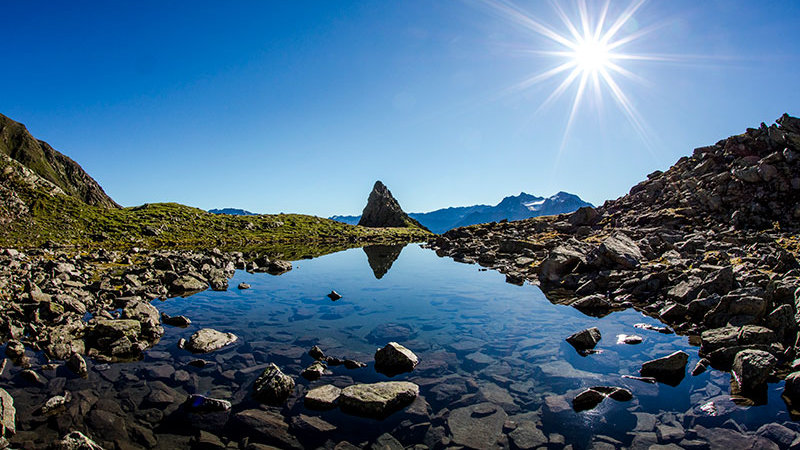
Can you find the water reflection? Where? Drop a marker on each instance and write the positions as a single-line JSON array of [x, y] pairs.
[[381, 257]]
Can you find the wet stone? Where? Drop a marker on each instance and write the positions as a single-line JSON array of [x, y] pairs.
[[585, 339], [527, 436], [273, 386], [475, 427], [394, 359], [314, 371], [377, 400], [208, 340]]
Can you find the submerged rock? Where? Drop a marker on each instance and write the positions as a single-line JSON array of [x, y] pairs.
[[477, 426], [201, 403], [268, 427], [395, 359], [334, 295], [273, 386], [208, 340], [377, 400], [77, 365], [55, 404], [592, 397]]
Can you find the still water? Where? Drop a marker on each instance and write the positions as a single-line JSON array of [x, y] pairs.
[[478, 339]]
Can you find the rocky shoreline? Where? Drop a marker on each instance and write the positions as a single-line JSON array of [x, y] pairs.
[[709, 247]]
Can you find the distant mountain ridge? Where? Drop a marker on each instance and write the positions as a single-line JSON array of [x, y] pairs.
[[514, 207], [232, 212]]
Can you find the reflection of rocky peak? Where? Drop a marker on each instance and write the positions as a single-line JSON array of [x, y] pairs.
[[383, 210], [381, 257]]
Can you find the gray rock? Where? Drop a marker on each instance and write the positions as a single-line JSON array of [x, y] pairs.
[[377, 400], [585, 339], [386, 442], [394, 359], [621, 250], [175, 321], [8, 414], [561, 261], [752, 368], [208, 340], [187, 284], [323, 397], [55, 404], [779, 434], [243, 286], [311, 424], [669, 433], [477, 426], [273, 386], [527, 436], [585, 215]]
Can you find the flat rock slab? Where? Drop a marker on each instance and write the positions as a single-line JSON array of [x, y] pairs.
[[7, 414], [377, 400], [323, 397], [268, 426], [477, 426], [209, 340], [669, 368]]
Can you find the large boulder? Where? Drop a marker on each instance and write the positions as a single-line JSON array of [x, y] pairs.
[[207, 340], [383, 210], [377, 400], [273, 386], [561, 261], [620, 250], [394, 359], [323, 397], [752, 368]]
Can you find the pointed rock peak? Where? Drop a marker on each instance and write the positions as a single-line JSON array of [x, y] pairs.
[[383, 210]]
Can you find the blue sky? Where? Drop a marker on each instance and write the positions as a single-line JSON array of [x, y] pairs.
[[300, 106]]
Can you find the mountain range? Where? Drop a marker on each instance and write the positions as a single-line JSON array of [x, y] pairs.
[[514, 207]]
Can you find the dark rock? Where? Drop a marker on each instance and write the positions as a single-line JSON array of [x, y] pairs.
[[596, 305], [314, 371], [75, 440], [670, 369], [273, 386], [527, 436], [394, 359], [268, 427], [243, 286], [382, 210], [316, 353], [752, 368], [175, 321], [700, 367], [585, 339], [592, 397], [77, 365], [585, 215], [334, 295]]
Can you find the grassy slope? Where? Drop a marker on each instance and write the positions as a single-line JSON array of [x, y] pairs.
[[66, 220]]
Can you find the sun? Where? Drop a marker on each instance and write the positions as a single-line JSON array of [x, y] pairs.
[[588, 47], [592, 56]]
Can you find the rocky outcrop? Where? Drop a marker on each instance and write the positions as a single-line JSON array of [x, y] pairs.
[[17, 143], [382, 210], [710, 244]]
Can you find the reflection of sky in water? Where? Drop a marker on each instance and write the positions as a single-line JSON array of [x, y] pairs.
[[463, 324]]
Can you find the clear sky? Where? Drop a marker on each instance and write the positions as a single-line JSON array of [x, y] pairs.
[[300, 106]]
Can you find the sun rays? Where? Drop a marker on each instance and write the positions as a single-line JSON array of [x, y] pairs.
[[589, 56]]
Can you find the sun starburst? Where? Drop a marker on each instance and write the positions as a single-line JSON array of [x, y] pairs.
[[590, 54]]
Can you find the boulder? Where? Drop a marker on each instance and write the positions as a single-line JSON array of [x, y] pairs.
[[620, 250], [77, 365], [323, 397], [593, 305], [377, 400], [394, 359], [273, 386], [208, 340], [585, 339], [187, 284], [175, 321], [752, 368], [561, 261], [585, 215]]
